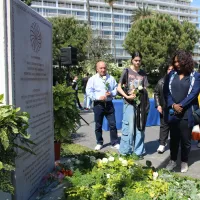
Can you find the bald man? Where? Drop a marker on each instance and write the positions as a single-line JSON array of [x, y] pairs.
[[101, 88]]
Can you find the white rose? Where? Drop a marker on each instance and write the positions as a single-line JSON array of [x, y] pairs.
[[68, 161], [121, 159], [98, 160], [111, 158], [104, 77], [140, 87], [124, 163], [104, 160], [108, 175], [92, 159], [155, 175]]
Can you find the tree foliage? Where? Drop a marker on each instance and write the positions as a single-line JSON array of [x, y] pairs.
[[68, 31], [28, 2], [98, 49], [141, 13], [157, 37]]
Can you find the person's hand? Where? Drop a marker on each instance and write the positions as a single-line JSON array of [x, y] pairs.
[[177, 108], [102, 98], [131, 97], [131, 91], [159, 109], [108, 94]]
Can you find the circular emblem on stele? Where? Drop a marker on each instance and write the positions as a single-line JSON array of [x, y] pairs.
[[36, 37]]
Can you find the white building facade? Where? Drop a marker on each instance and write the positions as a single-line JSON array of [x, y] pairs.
[[101, 16]]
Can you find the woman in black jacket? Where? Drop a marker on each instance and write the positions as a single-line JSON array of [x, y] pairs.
[[181, 89], [160, 106]]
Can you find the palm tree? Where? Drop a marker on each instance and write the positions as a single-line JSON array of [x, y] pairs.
[[88, 12], [28, 2], [140, 14], [111, 2]]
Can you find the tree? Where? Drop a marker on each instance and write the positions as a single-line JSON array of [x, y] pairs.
[[111, 3], [68, 31], [157, 37], [140, 13], [98, 49], [28, 2]]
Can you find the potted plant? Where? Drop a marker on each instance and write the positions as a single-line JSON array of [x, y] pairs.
[[66, 115]]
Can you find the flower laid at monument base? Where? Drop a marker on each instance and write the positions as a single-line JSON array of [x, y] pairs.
[[110, 176]]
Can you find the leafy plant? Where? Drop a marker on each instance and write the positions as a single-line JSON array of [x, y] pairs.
[[122, 178], [13, 134], [66, 114]]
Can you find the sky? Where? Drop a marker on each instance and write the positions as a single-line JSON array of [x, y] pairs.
[[196, 3]]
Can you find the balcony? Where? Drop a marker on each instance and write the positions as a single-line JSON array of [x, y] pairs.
[[77, 7], [49, 4], [107, 36], [106, 27], [104, 9], [64, 5], [36, 3]]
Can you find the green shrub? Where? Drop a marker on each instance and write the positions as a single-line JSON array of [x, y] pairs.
[[66, 114], [121, 178]]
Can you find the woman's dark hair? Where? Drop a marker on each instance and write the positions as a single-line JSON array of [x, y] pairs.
[[185, 60], [136, 54]]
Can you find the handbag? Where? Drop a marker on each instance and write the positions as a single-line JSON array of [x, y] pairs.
[[196, 133], [196, 115], [125, 87]]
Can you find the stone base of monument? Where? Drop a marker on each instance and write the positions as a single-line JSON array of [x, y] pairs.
[[57, 148]]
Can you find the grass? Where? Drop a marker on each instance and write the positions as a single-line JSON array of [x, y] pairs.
[[73, 149]]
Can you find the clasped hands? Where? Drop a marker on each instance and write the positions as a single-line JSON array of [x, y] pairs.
[[131, 95], [177, 108]]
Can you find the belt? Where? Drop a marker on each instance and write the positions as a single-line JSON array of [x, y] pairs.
[[100, 101], [103, 103]]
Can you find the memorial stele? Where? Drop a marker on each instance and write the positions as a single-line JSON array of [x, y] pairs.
[[26, 82]]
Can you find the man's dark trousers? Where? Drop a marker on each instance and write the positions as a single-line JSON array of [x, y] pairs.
[[106, 109], [164, 131]]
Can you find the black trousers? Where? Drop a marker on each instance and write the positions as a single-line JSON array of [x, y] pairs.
[[180, 133], [77, 99], [164, 131], [106, 109]]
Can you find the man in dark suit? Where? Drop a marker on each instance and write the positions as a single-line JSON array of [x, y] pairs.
[[160, 106]]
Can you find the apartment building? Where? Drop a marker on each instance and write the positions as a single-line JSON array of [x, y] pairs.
[[101, 20]]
